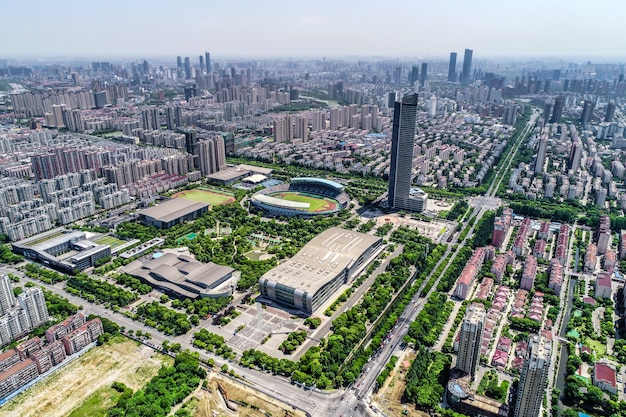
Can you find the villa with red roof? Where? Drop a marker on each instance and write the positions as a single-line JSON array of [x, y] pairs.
[[604, 377]]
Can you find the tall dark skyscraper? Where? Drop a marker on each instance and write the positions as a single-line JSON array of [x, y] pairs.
[[207, 62], [610, 112], [187, 68], [396, 75], [423, 74], [452, 67], [413, 75], [557, 113], [587, 113], [201, 58], [466, 75], [401, 169]]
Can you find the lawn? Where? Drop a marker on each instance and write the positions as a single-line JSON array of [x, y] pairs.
[[204, 196], [110, 240], [315, 203], [596, 345]]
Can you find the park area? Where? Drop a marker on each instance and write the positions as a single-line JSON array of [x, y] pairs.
[[83, 387], [316, 203], [200, 195]]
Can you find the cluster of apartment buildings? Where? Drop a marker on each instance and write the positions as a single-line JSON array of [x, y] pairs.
[[25, 363], [19, 315]]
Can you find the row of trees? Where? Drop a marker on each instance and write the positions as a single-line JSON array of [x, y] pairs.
[[132, 282], [380, 379], [429, 323], [163, 319], [43, 274], [292, 342], [212, 342], [97, 290]]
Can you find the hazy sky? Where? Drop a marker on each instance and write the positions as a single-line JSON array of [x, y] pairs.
[[90, 28]]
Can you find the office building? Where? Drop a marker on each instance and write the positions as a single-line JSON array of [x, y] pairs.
[[187, 68], [466, 74], [575, 156], [470, 338], [100, 99], [207, 62], [400, 195], [533, 378], [452, 68]]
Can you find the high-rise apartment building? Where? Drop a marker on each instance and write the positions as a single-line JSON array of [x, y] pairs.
[[33, 302], [400, 195], [533, 378], [452, 67], [7, 299], [575, 156], [211, 155], [610, 112], [541, 155], [466, 74], [470, 339]]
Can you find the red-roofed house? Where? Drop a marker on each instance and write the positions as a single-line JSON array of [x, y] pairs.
[[603, 286], [604, 377], [500, 359]]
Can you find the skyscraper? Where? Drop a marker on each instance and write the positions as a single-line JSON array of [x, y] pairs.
[[532, 382], [587, 113], [201, 59], [471, 336], [541, 155], [466, 75], [207, 62], [187, 68], [610, 111], [423, 74], [557, 112], [575, 156], [452, 67], [401, 168], [413, 75]]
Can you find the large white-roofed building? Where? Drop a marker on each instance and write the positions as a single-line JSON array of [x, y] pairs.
[[313, 275]]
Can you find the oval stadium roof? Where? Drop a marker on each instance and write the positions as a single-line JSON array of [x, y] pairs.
[[319, 180]]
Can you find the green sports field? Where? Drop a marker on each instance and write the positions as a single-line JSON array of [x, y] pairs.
[[204, 196], [110, 240], [316, 204]]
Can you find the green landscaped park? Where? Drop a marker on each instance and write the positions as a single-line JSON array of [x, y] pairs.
[[205, 196], [315, 203]]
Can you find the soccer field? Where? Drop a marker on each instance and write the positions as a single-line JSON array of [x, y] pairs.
[[203, 196], [315, 203], [110, 240]]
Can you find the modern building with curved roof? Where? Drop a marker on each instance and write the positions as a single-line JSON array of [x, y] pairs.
[[181, 275], [315, 273]]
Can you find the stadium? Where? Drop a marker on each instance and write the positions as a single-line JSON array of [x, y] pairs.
[[302, 197]]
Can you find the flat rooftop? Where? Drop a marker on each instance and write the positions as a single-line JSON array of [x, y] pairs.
[[172, 209], [320, 260]]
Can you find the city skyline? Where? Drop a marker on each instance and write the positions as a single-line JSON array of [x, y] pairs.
[[281, 29]]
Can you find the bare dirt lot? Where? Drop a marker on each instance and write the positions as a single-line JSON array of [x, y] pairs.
[[208, 403], [121, 360]]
